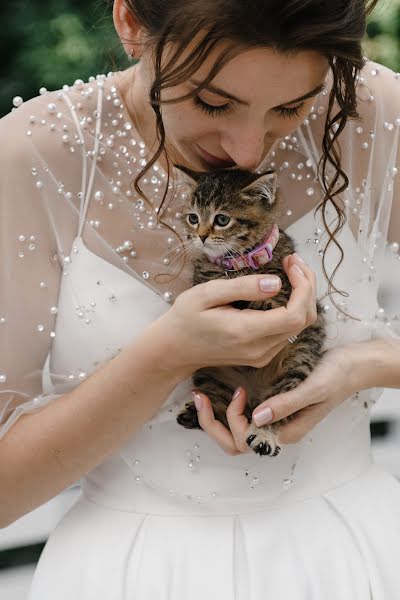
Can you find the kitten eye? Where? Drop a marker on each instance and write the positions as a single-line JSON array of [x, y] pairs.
[[192, 218], [222, 220]]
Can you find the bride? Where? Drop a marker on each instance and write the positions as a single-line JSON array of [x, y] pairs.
[[101, 329]]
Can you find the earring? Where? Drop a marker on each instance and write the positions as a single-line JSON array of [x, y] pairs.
[[131, 54]]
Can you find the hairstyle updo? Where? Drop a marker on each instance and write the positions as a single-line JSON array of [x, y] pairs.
[[333, 28]]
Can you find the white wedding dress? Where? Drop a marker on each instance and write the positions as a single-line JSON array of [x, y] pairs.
[[171, 515]]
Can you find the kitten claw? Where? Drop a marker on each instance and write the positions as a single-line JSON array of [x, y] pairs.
[[263, 441]]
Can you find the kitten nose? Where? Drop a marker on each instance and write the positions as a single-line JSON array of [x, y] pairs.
[[203, 237]]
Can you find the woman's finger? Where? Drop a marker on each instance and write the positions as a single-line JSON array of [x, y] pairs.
[[304, 422], [291, 259], [285, 319], [289, 403], [272, 352], [214, 428], [238, 422]]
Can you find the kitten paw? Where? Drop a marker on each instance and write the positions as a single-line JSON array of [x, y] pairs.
[[263, 441], [187, 417]]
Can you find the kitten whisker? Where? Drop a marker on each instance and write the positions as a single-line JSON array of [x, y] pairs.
[[183, 245]]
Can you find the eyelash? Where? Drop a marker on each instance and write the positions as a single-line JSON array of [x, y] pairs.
[[214, 111]]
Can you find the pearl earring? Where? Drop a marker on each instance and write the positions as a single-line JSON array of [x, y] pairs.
[[131, 54]]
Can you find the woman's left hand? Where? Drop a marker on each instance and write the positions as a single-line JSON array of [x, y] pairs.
[[329, 384]]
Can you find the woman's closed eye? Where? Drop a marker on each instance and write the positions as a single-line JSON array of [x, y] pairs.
[[215, 111]]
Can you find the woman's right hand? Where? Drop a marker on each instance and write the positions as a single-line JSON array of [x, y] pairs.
[[202, 329]]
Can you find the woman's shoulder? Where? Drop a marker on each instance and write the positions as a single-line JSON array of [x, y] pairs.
[[52, 122], [378, 95]]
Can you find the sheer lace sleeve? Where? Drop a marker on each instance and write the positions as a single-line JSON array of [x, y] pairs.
[[383, 184], [32, 200], [371, 158], [67, 172]]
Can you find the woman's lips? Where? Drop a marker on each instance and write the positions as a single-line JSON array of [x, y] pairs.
[[214, 161]]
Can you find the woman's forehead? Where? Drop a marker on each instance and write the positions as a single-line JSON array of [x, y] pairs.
[[265, 70]]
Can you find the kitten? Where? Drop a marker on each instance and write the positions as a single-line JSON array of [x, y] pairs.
[[231, 212]]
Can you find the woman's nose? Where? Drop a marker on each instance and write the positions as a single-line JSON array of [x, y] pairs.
[[245, 147]]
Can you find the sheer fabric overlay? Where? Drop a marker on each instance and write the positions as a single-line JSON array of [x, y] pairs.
[[75, 152]]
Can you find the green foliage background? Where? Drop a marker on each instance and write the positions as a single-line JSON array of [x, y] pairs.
[[54, 42]]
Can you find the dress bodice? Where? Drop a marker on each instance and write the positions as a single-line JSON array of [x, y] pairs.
[[164, 467]]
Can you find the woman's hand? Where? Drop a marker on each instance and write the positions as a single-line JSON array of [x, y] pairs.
[[326, 387], [329, 384], [202, 328]]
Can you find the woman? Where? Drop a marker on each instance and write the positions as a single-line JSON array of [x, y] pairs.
[[102, 330]]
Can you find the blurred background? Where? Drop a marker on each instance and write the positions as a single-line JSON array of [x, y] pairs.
[[53, 43]]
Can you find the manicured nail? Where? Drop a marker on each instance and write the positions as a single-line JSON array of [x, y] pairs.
[[197, 400], [237, 393], [299, 257], [270, 283], [298, 270], [263, 417]]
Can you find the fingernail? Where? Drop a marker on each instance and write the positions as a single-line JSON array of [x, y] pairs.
[[197, 400], [237, 393], [270, 283], [298, 270], [299, 257], [263, 417]]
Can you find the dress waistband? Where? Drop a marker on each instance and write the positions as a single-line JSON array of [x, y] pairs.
[[224, 486]]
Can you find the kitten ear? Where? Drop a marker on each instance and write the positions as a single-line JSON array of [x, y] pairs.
[[265, 185], [191, 177]]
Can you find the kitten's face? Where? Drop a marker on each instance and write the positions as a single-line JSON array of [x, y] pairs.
[[230, 212]]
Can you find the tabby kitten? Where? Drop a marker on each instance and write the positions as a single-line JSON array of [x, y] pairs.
[[230, 213]]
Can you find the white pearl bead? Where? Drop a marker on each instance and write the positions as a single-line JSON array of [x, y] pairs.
[[52, 108], [394, 247], [17, 101]]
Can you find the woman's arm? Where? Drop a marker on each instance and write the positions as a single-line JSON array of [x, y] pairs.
[[46, 451], [375, 363]]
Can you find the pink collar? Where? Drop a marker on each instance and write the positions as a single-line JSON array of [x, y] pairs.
[[261, 255]]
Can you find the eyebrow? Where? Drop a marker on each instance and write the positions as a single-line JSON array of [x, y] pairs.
[[220, 92]]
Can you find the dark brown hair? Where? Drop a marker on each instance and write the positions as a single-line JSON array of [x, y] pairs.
[[335, 28]]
